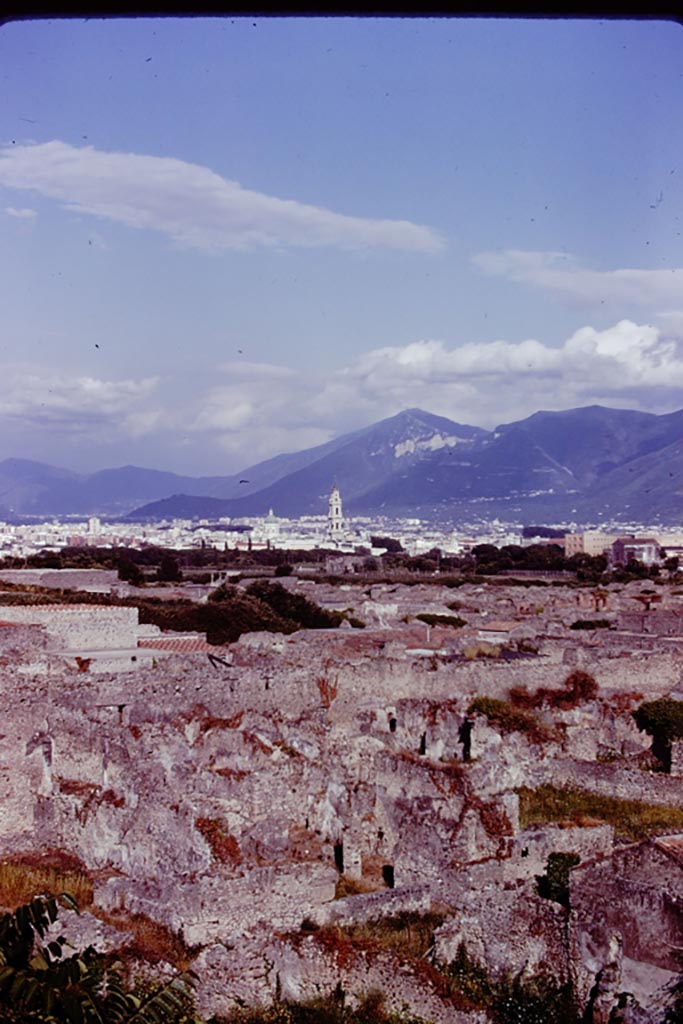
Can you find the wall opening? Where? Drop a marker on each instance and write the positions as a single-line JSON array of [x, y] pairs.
[[392, 725], [339, 857], [423, 744], [388, 875]]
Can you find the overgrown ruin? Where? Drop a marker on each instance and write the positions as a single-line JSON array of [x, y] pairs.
[[268, 806]]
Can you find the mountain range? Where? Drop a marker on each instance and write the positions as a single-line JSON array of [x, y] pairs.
[[584, 465]]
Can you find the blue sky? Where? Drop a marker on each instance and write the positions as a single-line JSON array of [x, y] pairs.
[[225, 238]]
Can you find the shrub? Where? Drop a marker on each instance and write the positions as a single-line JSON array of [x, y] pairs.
[[591, 624], [508, 718], [538, 1000], [470, 978], [663, 720], [298, 609], [579, 688]]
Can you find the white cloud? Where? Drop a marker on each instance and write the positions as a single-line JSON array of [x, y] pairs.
[[261, 410], [36, 398], [561, 275], [23, 213], [192, 204], [252, 411]]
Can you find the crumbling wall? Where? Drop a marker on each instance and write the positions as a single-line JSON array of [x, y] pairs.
[[79, 627], [629, 905]]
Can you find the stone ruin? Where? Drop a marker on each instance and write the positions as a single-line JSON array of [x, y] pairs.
[[320, 779]]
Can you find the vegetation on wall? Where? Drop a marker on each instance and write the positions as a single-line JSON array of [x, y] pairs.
[[42, 982], [508, 718], [631, 819], [578, 688], [663, 720]]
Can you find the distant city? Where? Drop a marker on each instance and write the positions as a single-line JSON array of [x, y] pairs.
[[359, 535]]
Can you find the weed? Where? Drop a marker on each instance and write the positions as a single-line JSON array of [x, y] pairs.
[[631, 819], [509, 718], [152, 942], [51, 872]]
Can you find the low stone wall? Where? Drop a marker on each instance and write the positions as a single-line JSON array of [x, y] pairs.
[[79, 627], [95, 581]]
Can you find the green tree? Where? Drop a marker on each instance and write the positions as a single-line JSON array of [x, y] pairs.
[[663, 720], [169, 570], [41, 984], [130, 572]]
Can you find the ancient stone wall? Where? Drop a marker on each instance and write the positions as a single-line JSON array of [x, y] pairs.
[[80, 627]]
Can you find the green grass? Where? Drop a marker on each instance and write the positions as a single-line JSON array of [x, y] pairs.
[[631, 819]]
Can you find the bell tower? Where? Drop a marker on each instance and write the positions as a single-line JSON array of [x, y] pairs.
[[335, 523]]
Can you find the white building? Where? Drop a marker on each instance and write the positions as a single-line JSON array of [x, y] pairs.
[[335, 521]]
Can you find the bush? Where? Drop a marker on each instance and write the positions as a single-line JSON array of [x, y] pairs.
[[579, 688], [591, 624], [539, 1000], [663, 720], [169, 570], [509, 718], [470, 978], [295, 607]]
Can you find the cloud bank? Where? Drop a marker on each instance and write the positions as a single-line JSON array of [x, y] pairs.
[[252, 411], [561, 275], [33, 398], [191, 204], [260, 410]]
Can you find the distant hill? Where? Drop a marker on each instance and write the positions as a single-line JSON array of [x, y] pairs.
[[587, 465], [358, 462]]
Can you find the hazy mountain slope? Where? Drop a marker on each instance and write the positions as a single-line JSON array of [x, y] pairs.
[[358, 463], [586, 464], [592, 440], [109, 491], [22, 481]]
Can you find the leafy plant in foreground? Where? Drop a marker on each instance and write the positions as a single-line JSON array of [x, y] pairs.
[[41, 984]]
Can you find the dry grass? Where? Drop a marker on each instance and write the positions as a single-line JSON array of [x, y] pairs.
[[355, 886], [223, 845], [409, 933], [50, 873], [631, 819], [152, 942]]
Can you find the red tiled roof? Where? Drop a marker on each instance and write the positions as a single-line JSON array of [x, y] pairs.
[[180, 644]]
